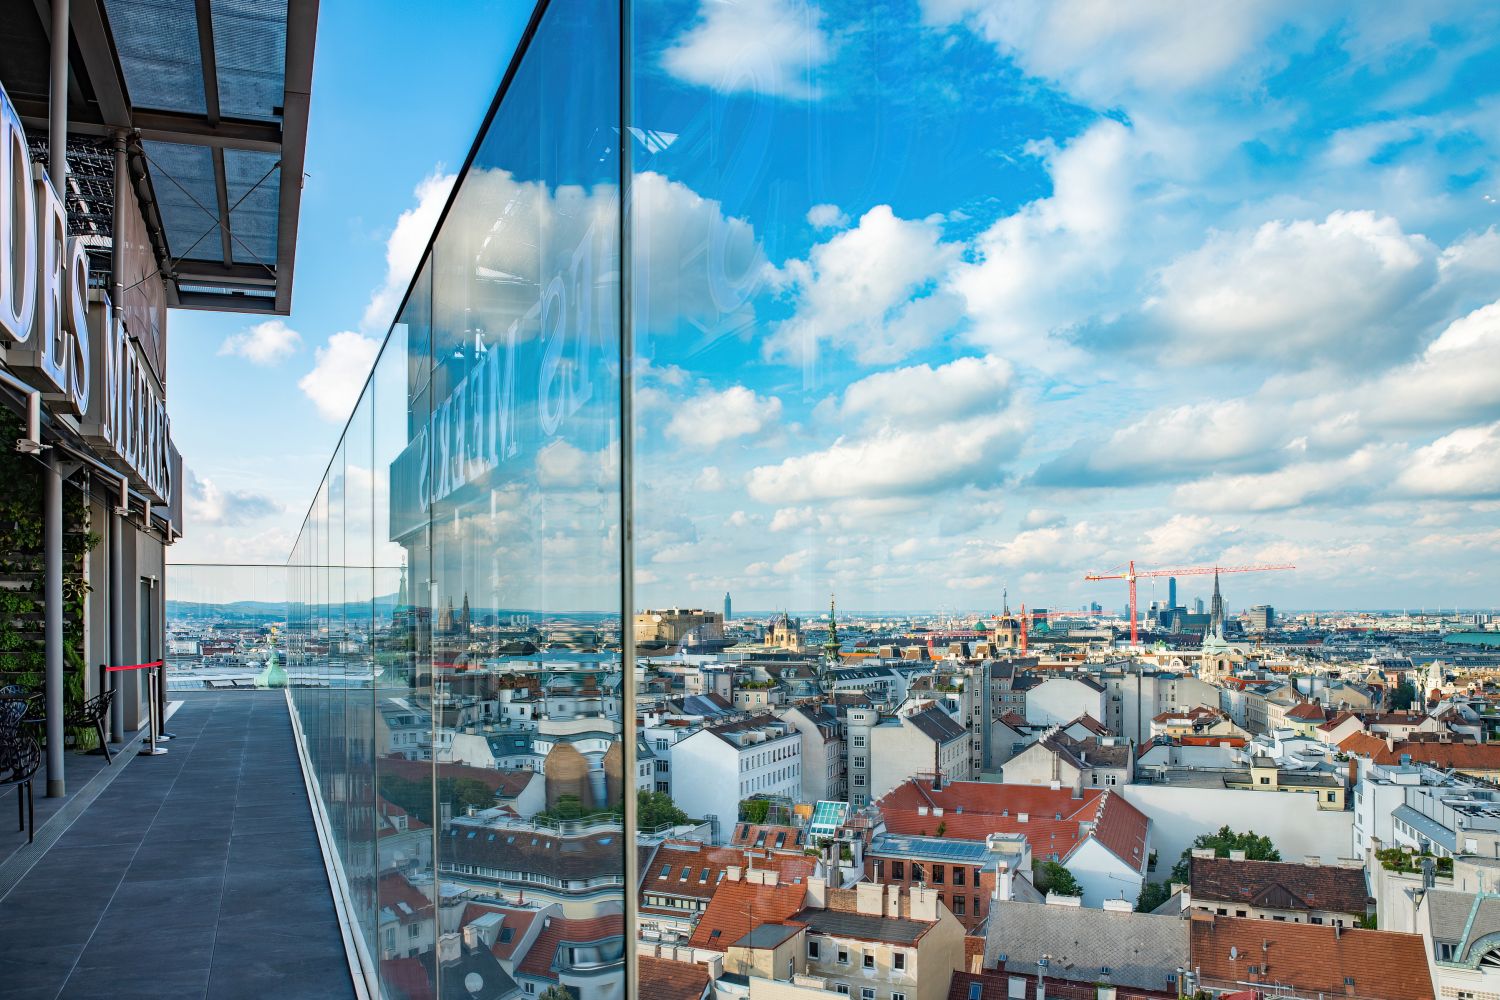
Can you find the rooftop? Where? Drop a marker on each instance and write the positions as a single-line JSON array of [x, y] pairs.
[[1317, 958], [1283, 885], [863, 926]]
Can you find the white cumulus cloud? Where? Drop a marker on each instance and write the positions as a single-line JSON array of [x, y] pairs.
[[873, 290], [1294, 292], [753, 46], [1461, 464], [339, 372], [265, 343], [714, 416]]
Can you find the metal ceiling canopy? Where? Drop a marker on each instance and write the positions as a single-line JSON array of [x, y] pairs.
[[214, 95]]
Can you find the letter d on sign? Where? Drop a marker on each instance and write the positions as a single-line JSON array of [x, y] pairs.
[[17, 229]]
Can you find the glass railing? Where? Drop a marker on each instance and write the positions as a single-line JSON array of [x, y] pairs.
[[226, 627], [454, 596]]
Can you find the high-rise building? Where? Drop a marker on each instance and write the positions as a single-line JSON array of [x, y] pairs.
[[1261, 617], [1197, 605], [728, 607], [1171, 592]]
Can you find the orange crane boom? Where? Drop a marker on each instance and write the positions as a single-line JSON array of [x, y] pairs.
[[1131, 574]]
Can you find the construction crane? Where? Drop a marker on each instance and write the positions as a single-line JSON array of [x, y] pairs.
[[1131, 574]]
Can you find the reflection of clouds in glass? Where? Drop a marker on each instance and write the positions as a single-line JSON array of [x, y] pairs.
[[762, 47]]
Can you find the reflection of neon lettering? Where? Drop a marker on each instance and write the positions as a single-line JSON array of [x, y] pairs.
[[476, 428]]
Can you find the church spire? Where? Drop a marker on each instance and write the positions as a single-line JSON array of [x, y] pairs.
[[832, 645]]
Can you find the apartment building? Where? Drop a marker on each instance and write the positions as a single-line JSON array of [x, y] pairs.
[[719, 766]]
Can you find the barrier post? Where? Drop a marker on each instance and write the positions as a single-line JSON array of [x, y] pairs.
[[160, 676], [105, 683], [151, 749]]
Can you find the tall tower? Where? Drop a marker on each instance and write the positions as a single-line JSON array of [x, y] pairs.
[[728, 608], [1171, 592], [1216, 611], [831, 646]]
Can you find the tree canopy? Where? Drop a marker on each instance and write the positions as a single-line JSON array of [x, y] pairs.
[[1054, 877], [1255, 846]]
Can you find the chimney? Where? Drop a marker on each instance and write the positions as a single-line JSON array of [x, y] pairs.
[[1313, 860], [449, 949], [1023, 817], [893, 902], [1003, 876], [1203, 852], [732, 873], [1118, 906], [816, 895], [715, 965], [868, 898], [1236, 855], [924, 904]]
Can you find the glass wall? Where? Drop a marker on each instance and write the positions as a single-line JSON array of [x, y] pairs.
[[461, 559]]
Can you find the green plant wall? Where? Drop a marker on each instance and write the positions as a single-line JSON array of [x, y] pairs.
[[22, 612]]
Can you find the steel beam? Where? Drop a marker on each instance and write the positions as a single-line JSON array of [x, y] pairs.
[[52, 596]]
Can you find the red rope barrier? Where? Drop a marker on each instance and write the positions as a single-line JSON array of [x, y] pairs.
[[136, 666]]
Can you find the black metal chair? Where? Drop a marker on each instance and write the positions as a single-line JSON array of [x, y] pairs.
[[20, 758], [93, 713], [12, 712]]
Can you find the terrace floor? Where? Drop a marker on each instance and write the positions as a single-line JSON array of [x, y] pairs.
[[194, 874]]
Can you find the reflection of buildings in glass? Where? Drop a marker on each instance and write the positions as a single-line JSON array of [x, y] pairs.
[[672, 629]]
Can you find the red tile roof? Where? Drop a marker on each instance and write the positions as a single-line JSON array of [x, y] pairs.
[[539, 958], [1462, 755], [729, 914], [1052, 824], [517, 922], [677, 855], [1315, 958], [1306, 711], [394, 890], [673, 980]]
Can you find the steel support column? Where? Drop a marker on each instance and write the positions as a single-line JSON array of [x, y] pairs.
[[52, 589], [117, 518], [117, 525], [57, 100]]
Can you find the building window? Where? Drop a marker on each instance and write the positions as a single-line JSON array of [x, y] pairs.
[[898, 870], [867, 993], [938, 874], [902, 996], [958, 906], [843, 956], [958, 876], [869, 960], [812, 949], [899, 961], [858, 741]]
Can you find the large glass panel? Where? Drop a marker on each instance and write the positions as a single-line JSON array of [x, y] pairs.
[[525, 488], [457, 581]]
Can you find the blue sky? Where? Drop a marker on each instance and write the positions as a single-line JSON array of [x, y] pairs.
[[396, 103], [995, 294]]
